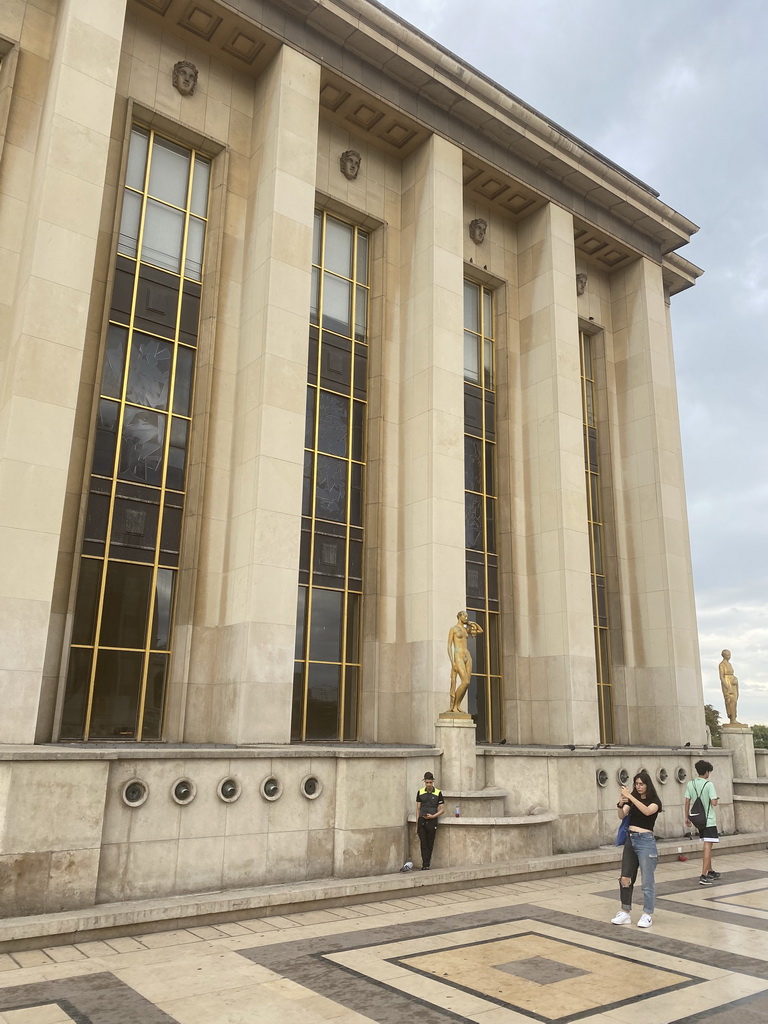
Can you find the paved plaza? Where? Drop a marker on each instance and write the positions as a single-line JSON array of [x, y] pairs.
[[540, 950]]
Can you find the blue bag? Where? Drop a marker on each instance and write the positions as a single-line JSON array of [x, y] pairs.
[[621, 835]]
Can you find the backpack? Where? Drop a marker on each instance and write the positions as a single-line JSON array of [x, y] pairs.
[[697, 814]]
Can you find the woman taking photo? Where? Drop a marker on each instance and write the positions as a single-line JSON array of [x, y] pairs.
[[643, 807]]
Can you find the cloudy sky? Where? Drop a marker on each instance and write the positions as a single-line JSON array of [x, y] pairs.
[[674, 91]]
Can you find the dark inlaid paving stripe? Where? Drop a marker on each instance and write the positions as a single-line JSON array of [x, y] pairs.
[[87, 999]]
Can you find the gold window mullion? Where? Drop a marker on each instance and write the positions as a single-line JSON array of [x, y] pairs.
[[118, 435]]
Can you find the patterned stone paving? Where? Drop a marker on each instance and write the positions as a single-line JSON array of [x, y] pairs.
[[540, 950]]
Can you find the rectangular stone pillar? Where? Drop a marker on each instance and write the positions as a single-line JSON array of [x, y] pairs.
[[246, 698], [555, 647], [432, 431], [663, 691], [56, 191]]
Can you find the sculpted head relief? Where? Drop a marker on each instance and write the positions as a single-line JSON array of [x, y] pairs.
[[477, 229], [349, 163], [185, 77]]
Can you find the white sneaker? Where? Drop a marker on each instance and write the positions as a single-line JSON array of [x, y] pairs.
[[645, 921], [624, 917]]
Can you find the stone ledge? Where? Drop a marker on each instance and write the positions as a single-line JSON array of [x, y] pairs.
[[195, 909]]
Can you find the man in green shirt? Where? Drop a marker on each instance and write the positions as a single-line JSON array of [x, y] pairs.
[[703, 787]]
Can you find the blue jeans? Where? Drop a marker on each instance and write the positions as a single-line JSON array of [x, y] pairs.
[[639, 851]]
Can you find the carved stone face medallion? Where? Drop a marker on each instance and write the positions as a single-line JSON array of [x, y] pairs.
[[185, 77], [581, 284], [477, 229], [349, 163]]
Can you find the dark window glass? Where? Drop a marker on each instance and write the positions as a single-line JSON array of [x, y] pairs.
[[350, 702], [96, 518], [494, 645], [314, 301], [122, 293], [116, 692], [157, 301], [330, 559], [490, 468], [170, 537], [331, 488], [88, 586], [353, 628], [149, 374], [182, 380], [358, 431], [473, 463], [361, 371], [106, 438], [76, 696], [114, 361], [497, 717], [475, 569], [163, 603], [356, 495], [306, 500], [298, 701], [154, 698], [473, 411], [134, 527], [301, 622], [323, 702], [309, 422], [490, 524], [325, 625], [355, 579], [333, 433], [126, 605], [190, 313], [177, 454], [336, 364], [141, 446], [473, 521]]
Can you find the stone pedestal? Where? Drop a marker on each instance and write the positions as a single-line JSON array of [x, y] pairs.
[[458, 769], [738, 738]]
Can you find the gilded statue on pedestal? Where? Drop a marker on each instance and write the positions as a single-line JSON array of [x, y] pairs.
[[730, 687], [460, 658]]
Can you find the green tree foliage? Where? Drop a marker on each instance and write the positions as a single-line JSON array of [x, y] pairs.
[[760, 735], [712, 718]]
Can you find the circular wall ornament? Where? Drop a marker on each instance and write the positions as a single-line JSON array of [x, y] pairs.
[[183, 791], [134, 793], [311, 787], [623, 776], [271, 788], [601, 776], [681, 775], [662, 776], [229, 789]]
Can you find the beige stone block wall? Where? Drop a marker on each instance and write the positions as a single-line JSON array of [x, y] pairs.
[[663, 695], [431, 435], [553, 638], [51, 817], [65, 87], [161, 847]]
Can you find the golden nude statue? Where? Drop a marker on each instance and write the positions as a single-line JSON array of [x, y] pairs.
[[730, 687], [460, 658]]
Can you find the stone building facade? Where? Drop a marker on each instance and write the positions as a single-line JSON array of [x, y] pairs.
[[309, 336]]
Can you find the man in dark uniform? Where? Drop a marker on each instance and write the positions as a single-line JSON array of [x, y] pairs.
[[429, 806]]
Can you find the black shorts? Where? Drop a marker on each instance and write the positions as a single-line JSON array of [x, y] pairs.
[[709, 834]]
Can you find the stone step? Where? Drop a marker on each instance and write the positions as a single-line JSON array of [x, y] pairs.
[[142, 916]]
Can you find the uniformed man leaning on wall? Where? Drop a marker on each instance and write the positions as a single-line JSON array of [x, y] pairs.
[[429, 806]]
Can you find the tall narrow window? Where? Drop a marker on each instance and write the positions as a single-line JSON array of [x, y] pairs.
[[122, 631], [482, 560], [596, 545], [327, 668]]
